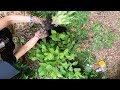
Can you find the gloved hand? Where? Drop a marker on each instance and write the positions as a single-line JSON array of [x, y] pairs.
[[41, 34], [47, 24]]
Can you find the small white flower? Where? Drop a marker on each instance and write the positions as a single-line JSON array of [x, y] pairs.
[[100, 69], [88, 65], [97, 70], [91, 66]]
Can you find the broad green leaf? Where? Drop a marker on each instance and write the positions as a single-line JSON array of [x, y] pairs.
[[59, 44], [65, 65], [73, 42], [50, 56], [54, 37], [46, 54], [57, 57], [70, 69], [61, 55], [62, 36], [77, 69], [72, 56], [51, 50], [53, 32], [46, 58], [42, 71], [44, 48], [38, 51], [65, 51], [39, 56], [49, 67], [53, 75], [70, 75], [88, 69], [33, 58], [57, 50], [62, 70], [75, 63], [68, 40], [59, 75], [64, 42]]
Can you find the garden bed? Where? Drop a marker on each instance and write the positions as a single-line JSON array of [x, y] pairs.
[[90, 31]]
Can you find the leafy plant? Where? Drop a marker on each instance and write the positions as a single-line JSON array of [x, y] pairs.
[[85, 57], [43, 14], [61, 57], [63, 17], [25, 72], [57, 57]]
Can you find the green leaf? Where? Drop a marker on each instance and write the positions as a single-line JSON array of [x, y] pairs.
[[62, 70], [49, 67], [70, 69], [61, 55], [77, 70], [70, 75], [51, 50], [44, 48], [50, 56], [64, 42], [75, 63], [62, 36], [59, 75], [88, 69], [72, 56], [73, 42], [40, 56], [66, 52], [57, 57], [38, 51], [42, 72], [53, 75], [68, 40], [65, 65], [54, 37], [57, 50], [53, 32], [33, 58]]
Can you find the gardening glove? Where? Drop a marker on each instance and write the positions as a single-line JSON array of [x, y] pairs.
[[41, 34]]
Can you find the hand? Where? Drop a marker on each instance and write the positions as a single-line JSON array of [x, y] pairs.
[[37, 20], [47, 24], [41, 34]]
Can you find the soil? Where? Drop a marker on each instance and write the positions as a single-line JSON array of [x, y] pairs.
[[111, 20]]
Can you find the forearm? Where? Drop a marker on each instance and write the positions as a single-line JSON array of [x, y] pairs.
[[30, 44], [18, 18], [11, 19]]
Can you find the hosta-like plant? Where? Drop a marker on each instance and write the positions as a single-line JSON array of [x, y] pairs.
[[63, 17]]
